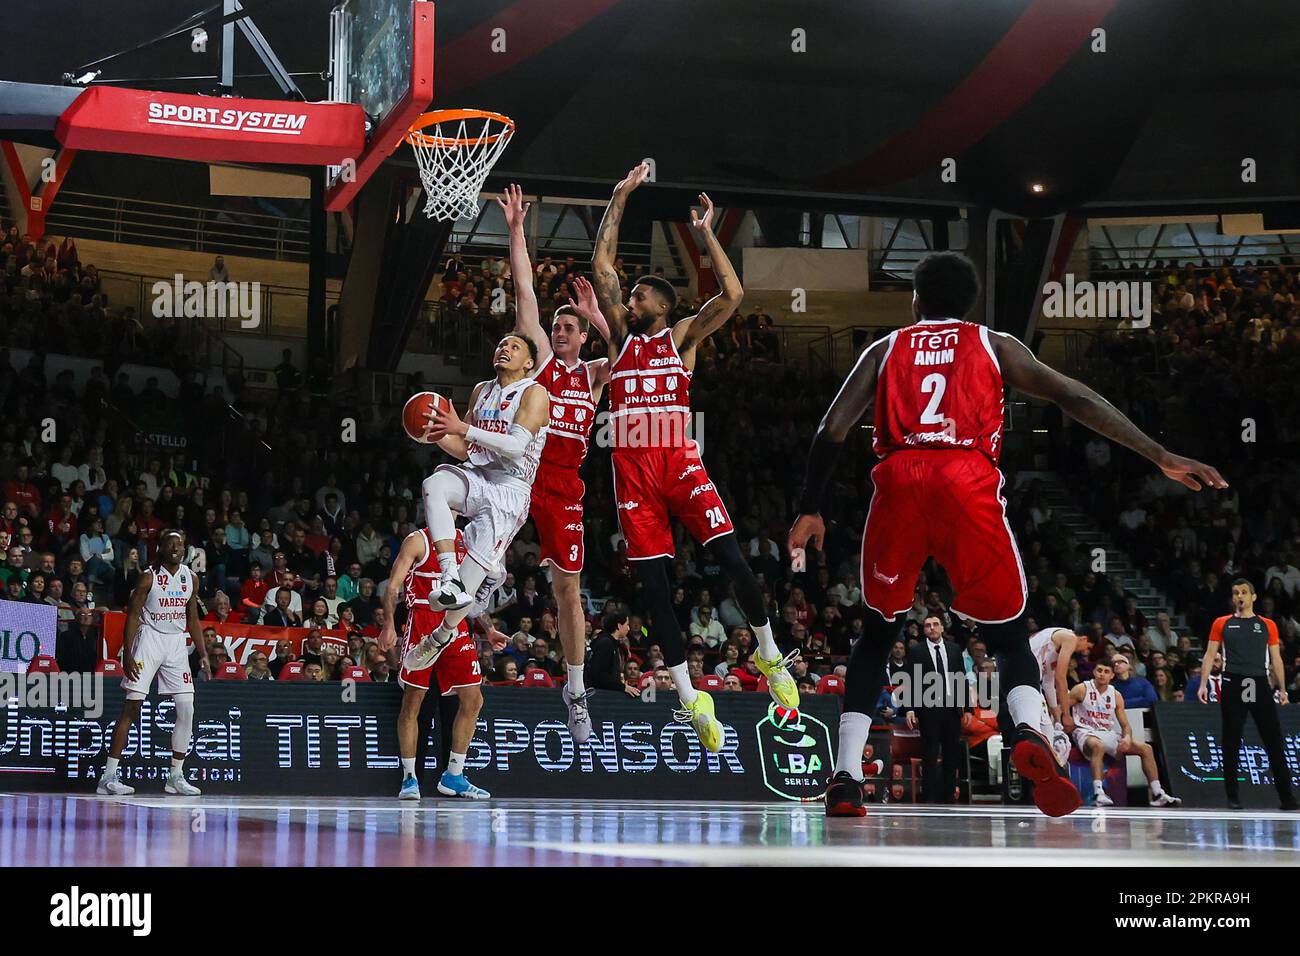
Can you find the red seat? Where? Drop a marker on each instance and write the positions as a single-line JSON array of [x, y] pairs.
[[292, 670], [830, 684], [230, 671], [43, 664], [537, 678], [356, 673], [109, 667], [709, 682]]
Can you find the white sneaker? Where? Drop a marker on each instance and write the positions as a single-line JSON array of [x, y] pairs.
[[450, 596], [422, 655], [579, 722], [1101, 800], [179, 786], [112, 786], [1167, 800]]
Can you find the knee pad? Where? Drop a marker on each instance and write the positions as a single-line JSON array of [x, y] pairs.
[[184, 722]]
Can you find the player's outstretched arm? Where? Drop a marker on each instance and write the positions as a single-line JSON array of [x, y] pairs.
[[603, 275], [1022, 371], [527, 318], [134, 608], [587, 306], [713, 314], [855, 395]]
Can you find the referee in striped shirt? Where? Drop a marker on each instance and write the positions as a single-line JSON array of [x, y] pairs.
[[1250, 649]]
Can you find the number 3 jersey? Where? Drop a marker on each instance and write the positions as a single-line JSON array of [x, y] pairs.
[[939, 385]]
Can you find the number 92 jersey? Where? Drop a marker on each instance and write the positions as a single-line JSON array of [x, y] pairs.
[[939, 386]]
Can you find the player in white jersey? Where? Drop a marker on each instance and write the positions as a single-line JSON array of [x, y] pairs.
[[575, 387], [1101, 729], [162, 610], [500, 443], [1053, 647]]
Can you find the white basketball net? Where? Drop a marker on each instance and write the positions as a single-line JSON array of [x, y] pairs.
[[455, 161]]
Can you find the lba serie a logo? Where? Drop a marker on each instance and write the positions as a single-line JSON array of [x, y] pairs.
[[795, 752]]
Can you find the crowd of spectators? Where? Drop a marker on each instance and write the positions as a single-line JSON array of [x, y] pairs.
[[287, 524], [1214, 377]]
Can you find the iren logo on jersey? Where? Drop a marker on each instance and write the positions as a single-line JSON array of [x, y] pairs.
[[77, 909], [1098, 300], [208, 300]]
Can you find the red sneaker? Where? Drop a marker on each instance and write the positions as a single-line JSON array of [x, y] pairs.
[[1032, 756]]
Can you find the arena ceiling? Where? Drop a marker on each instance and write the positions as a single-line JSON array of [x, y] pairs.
[[716, 92]]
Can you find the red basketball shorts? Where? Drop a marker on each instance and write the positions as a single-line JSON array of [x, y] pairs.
[[949, 505], [656, 484], [556, 510], [457, 666]]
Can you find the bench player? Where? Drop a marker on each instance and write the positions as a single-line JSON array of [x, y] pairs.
[[457, 668], [500, 445], [575, 387], [1101, 729], [162, 609], [937, 388], [1053, 647], [657, 468]]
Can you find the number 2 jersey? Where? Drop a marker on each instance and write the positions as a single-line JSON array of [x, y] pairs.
[[939, 385]]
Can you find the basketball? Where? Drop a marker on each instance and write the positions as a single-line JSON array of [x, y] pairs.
[[415, 415]]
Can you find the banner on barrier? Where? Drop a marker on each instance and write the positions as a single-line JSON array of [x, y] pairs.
[[300, 738], [26, 631], [1192, 734], [241, 640]]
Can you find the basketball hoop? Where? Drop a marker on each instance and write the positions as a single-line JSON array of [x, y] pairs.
[[456, 150]]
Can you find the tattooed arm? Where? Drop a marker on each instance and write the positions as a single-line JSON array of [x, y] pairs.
[[690, 332], [1022, 371], [603, 275]]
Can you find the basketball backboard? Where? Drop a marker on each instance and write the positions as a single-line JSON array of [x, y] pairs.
[[381, 58]]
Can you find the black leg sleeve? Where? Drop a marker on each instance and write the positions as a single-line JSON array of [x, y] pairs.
[[748, 594], [865, 675], [1010, 643], [658, 598]]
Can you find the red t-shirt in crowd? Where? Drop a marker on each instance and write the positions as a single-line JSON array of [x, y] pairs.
[[56, 522], [26, 496], [149, 529], [254, 592]]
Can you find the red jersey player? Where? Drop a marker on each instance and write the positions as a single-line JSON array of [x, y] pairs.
[[457, 668], [556, 508], [937, 386], [657, 468]]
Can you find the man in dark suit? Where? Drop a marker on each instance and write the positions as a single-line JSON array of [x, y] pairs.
[[937, 708]]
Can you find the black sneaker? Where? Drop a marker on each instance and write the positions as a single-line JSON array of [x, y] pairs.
[[844, 796]]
